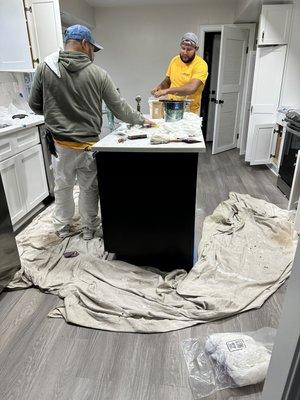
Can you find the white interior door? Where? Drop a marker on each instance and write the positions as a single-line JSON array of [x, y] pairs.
[[213, 87], [230, 87], [246, 102]]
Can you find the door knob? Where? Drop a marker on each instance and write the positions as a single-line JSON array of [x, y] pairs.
[[217, 101]]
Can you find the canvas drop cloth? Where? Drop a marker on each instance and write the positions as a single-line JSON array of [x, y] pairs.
[[245, 254]]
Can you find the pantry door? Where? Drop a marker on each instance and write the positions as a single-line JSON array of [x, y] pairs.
[[232, 60]]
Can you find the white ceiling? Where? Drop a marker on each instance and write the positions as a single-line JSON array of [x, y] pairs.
[[114, 3]]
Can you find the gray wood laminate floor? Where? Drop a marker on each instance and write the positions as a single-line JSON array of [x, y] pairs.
[[47, 359]]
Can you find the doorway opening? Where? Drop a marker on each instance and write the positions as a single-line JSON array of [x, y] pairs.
[[211, 55]]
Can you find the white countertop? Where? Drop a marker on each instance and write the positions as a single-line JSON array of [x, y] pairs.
[[18, 124], [110, 142]]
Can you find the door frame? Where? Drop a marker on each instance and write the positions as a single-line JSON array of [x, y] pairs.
[[243, 123]]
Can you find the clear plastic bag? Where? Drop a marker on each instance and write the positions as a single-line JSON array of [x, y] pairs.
[[227, 360]]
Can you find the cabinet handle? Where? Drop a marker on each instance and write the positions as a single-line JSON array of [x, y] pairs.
[[262, 36]]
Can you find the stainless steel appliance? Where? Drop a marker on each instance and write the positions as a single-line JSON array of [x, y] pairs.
[[47, 160], [9, 256], [291, 146]]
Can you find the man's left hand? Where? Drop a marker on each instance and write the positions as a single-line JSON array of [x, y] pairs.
[[160, 93]]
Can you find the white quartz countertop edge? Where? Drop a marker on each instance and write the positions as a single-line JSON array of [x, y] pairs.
[[33, 121], [110, 144]]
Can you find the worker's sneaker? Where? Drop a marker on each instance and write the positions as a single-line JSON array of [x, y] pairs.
[[87, 233], [64, 232]]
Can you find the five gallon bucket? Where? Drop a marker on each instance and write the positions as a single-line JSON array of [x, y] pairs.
[[174, 109]]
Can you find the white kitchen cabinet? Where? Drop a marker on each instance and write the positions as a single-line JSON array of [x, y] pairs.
[[25, 138], [262, 144], [7, 148], [35, 188], [30, 30], [44, 27], [295, 189], [11, 173], [274, 24], [14, 44], [23, 172], [268, 73]]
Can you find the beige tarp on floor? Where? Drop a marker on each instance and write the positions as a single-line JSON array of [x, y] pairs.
[[245, 254]]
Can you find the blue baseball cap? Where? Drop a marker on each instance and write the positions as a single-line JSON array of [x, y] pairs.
[[80, 32]]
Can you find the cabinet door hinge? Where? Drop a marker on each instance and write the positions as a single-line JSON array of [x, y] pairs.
[[36, 60], [28, 9], [251, 109]]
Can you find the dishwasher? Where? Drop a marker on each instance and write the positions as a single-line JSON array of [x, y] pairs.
[[9, 259]]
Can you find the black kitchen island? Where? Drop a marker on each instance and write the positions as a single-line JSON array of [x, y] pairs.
[[148, 200]]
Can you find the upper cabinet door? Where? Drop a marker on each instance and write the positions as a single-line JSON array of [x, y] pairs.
[[265, 97], [44, 28], [268, 73], [14, 44], [274, 24]]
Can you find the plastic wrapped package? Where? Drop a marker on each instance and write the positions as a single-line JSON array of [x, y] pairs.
[[227, 360]]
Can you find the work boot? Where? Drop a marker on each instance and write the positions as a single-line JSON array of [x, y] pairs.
[[64, 232], [87, 233]]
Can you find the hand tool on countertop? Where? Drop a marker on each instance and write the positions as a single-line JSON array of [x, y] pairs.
[[138, 99], [165, 139]]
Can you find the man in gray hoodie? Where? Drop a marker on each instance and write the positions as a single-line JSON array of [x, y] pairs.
[[68, 90]]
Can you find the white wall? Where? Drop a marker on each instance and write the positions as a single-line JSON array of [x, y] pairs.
[[82, 11], [139, 41], [247, 11], [290, 95], [11, 85]]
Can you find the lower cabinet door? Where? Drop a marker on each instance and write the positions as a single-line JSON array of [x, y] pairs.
[[12, 182], [262, 144], [34, 183]]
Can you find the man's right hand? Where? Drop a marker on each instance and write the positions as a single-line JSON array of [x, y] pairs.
[[148, 123]]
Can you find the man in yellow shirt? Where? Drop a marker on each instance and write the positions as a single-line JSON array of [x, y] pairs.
[[186, 74]]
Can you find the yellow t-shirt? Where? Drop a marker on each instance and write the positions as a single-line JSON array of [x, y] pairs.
[[181, 73]]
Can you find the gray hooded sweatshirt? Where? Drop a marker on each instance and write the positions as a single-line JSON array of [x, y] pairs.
[[68, 90]]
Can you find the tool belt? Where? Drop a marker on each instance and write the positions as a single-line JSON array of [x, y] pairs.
[[51, 143]]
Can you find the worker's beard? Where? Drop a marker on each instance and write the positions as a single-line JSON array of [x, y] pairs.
[[187, 60]]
